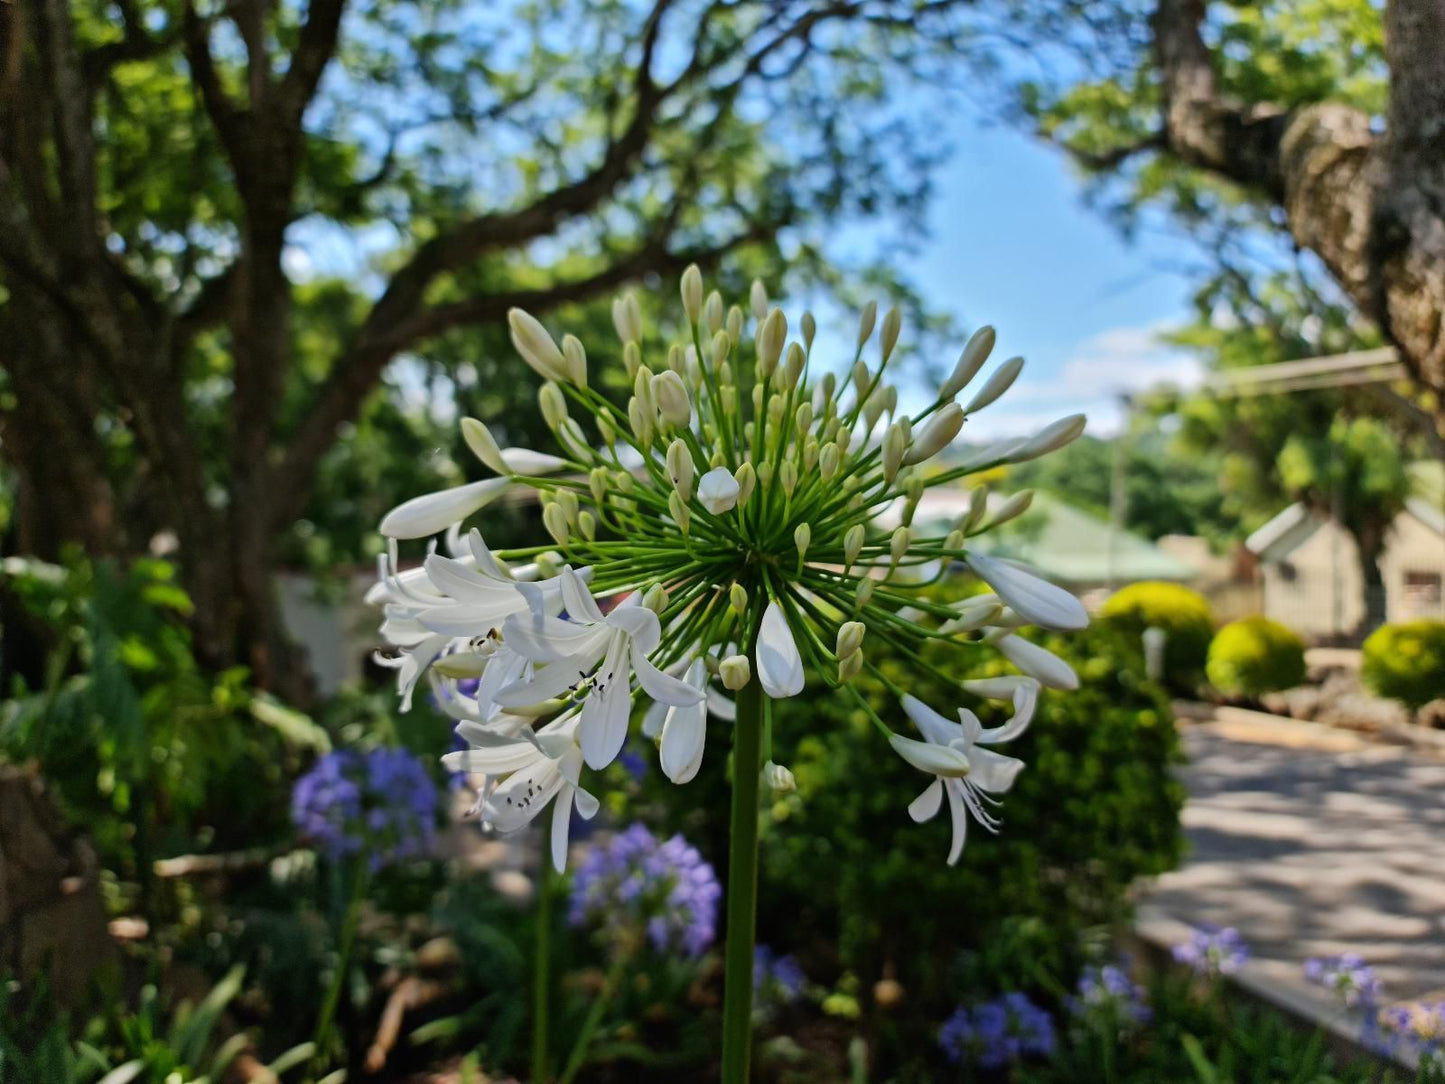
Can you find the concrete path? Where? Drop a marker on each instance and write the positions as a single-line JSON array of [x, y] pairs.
[[1311, 842]]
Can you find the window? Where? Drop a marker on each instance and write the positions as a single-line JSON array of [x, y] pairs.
[[1423, 594]]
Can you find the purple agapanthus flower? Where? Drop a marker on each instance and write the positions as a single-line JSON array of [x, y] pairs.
[[381, 804], [635, 883], [775, 977], [998, 1033], [1347, 976], [1108, 992], [1213, 951]]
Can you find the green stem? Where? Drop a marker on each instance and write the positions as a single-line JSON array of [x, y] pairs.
[[742, 889], [542, 972], [594, 1017], [349, 924]]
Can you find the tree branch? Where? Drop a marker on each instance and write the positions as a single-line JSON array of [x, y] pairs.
[[314, 51], [230, 122]]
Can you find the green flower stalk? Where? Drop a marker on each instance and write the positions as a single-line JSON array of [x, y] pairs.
[[710, 547]]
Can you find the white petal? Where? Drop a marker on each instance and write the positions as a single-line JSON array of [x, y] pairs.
[[683, 736], [586, 803], [639, 623], [518, 799], [926, 756], [604, 717], [717, 490], [433, 513], [495, 754], [545, 683], [933, 726], [721, 706], [780, 667], [561, 825], [653, 719], [1038, 662], [958, 814], [992, 771], [1037, 600], [526, 461], [927, 804], [580, 604], [1026, 699], [998, 688], [662, 687]]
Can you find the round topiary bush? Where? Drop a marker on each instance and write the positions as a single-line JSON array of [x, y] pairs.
[[1253, 656], [1406, 662], [1182, 613]]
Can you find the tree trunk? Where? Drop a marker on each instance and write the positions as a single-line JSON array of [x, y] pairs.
[[1374, 610]]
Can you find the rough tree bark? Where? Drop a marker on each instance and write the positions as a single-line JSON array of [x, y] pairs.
[[1370, 205], [85, 339]]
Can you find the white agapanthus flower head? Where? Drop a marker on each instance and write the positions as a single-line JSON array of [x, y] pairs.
[[710, 544]]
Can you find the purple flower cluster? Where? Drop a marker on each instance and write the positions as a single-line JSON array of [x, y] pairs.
[[1212, 951], [998, 1033], [634, 882], [381, 804], [1419, 1028], [1107, 992], [777, 977], [1347, 976]]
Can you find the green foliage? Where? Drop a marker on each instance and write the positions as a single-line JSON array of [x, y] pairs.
[[149, 1045], [1182, 613], [1406, 661], [1255, 655], [855, 888], [149, 753]]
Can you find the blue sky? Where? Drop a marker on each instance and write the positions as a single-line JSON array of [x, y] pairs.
[[1010, 243]]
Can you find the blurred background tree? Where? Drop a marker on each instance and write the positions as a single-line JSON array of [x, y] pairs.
[[220, 225]]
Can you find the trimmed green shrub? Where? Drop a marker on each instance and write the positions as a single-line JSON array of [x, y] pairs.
[[1184, 615], [860, 893], [1406, 662], [1255, 655]]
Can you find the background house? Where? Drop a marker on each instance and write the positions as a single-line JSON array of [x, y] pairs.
[[1309, 567]]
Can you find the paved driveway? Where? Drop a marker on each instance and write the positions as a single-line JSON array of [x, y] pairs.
[[1313, 843]]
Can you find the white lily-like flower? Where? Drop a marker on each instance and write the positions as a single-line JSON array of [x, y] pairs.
[[477, 596], [967, 772], [547, 767], [1035, 599], [780, 667], [684, 731], [592, 649], [718, 490]]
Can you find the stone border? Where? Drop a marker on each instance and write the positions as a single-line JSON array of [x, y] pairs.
[[1316, 735]]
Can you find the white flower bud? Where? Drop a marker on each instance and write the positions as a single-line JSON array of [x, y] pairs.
[[937, 434], [788, 477], [866, 319], [843, 438], [597, 483], [810, 329], [536, 346], [758, 299], [460, 666], [693, 367], [977, 507], [631, 359], [1015, 506], [605, 430], [793, 368], [828, 460], [765, 475], [747, 480], [680, 467], [810, 453], [725, 372], [670, 394], [655, 598], [864, 592], [735, 671], [721, 346], [980, 345], [718, 490], [778, 779], [483, 445], [973, 613], [898, 544], [574, 439], [862, 381], [735, 325], [853, 544], [575, 355], [850, 665], [850, 638], [681, 515], [692, 293], [801, 537], [568, 500], [892, 325], [775, 409], [712, 311], [890, 399], [675, 360], [1050, 438], [738, 598], [555, 520], [587, 524], [894, 445], [627, 319], [771, 337], [1002, 379], [640, 421], [954, 540], [552, 404], [873, 411]]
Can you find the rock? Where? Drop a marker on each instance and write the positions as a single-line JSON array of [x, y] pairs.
[[1432, 714], [52, 917]]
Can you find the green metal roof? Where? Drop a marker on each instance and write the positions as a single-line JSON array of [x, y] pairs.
[[1069, 545]]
